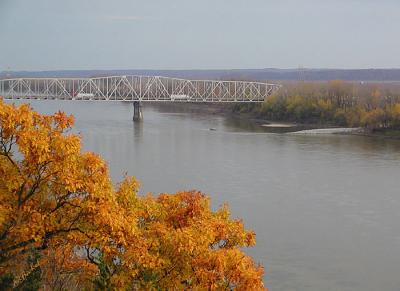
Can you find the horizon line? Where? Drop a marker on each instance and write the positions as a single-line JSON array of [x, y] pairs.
[[194, 69]]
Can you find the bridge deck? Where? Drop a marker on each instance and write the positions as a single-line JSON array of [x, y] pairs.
[[136, 88]]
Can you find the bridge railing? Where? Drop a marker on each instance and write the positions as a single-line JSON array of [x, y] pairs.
[[136, 88]]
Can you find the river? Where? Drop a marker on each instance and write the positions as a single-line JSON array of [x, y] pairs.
[[326, 208]]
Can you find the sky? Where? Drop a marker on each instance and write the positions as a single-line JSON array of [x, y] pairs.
[[202, 34]]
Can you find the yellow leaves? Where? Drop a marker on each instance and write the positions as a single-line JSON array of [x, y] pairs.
[[335, 103], [47, 189], [62, 121], [67, 144], [12, 117], [126, 193], [59, 202], [373, 118], [193, 242], [394, 113], [324, 105], [376, 93], [228, 269]]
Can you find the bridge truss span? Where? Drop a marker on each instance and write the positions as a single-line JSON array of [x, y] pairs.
[[136, 88]]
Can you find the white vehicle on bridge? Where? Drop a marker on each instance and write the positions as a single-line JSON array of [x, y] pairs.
[[85, 96], [179, 97]]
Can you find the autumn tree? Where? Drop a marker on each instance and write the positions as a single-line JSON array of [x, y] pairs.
[[63, 225], [372, 106]]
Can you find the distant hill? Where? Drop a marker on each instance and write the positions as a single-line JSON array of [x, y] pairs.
[[247, 74]]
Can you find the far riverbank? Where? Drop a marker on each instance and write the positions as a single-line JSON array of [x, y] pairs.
[[279, 126]]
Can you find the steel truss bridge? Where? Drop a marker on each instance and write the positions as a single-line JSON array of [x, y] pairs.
[[136, 88]]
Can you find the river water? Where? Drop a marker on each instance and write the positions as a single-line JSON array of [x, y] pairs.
[[325, 207]]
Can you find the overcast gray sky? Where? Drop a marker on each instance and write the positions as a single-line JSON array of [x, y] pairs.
[[202, 34]]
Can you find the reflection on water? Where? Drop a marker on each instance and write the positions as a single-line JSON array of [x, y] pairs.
[[325, 208], [137, 129]]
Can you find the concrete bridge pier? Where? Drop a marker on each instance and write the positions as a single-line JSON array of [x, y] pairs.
[[137, 111]]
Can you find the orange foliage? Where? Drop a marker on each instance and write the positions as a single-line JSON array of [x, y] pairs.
[[59, 203]]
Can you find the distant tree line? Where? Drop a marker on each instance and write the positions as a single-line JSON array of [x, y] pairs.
[[372, 106]]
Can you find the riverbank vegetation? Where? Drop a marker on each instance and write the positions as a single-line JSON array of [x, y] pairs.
[[65, 226], [336, 103]]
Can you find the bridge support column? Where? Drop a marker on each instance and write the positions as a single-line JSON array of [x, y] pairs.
[[137, 111]]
